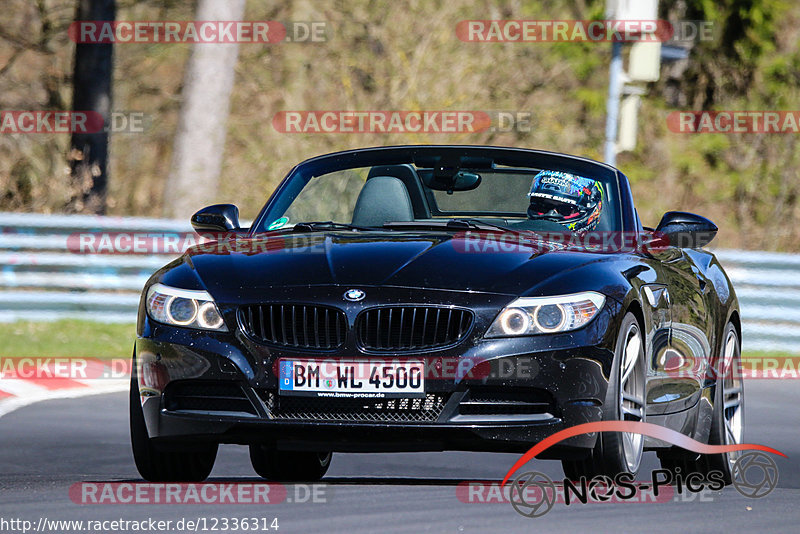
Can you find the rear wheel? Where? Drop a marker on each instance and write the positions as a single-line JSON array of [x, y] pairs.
[[158, 465], [299, 466], [619, 452], [727, 421]]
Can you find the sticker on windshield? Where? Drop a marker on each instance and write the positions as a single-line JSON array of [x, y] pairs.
[[278, 223]]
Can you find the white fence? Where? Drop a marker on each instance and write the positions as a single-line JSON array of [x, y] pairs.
[[44, 277]]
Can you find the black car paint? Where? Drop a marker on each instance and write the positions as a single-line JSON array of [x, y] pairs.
[[392, 267]]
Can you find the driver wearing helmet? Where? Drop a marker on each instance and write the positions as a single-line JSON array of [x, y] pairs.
[[570, 200]]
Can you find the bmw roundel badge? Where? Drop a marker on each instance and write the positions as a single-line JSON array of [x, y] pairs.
[[354, 295]]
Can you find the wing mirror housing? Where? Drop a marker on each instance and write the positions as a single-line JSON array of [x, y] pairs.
[[216, 218], [686, 230]]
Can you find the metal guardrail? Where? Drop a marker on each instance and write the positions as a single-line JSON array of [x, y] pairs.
[[41, 278], [768, 287]]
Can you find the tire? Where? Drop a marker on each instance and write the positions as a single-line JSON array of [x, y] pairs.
[[619, 452], [157, 465], [727, 420], [295, 466]]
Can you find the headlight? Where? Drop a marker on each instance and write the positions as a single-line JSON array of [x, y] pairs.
[[183, 307], [546, 315]]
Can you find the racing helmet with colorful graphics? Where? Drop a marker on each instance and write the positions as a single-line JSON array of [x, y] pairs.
[[571, 200]]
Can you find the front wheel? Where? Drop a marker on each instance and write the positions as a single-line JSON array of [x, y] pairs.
[[157, 465], [296, 466], [727, 421], [619, 452]]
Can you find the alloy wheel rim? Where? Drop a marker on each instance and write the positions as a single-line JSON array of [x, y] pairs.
[[732, 396], [631, 395]]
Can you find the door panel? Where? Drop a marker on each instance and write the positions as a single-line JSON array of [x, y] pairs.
[[679, 367]]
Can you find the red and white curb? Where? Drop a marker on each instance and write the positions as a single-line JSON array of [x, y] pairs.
[[16, 391]]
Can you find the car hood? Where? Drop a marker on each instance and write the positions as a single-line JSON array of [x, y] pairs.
[[429, 260]]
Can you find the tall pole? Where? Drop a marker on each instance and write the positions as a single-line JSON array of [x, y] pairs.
[[612, 106]]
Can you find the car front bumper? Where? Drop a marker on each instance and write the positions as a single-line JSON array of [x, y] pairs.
[[565, 376]]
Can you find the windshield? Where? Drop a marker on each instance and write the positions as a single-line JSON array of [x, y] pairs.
[[426, 190]]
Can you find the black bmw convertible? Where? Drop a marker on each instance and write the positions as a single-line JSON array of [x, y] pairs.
[[429, 298]]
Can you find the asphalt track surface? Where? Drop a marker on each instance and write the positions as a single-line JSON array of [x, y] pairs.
[[47, 447]]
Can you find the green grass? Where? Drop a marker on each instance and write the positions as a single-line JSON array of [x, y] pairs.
[[67, 338]]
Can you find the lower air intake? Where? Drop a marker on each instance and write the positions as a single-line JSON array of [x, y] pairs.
[[425, 409], [207, 397]]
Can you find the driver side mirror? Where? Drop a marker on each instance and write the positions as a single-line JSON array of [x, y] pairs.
[[686, 230], [216, 218]]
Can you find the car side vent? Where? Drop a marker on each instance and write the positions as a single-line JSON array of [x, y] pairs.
[[396, 328], [295, 325]]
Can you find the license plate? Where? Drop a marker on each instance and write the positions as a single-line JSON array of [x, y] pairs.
[[352, 379]]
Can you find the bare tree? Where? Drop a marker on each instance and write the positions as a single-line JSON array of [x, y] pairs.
[[93, 70], [200, 140]]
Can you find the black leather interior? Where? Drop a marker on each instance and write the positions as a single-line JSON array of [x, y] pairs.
[[408, 175], [382, 199]]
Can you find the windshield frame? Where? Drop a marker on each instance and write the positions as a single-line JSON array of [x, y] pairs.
[[301, 174]]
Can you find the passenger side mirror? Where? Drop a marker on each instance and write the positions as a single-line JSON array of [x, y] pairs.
[[686, 230], [216, 218]]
